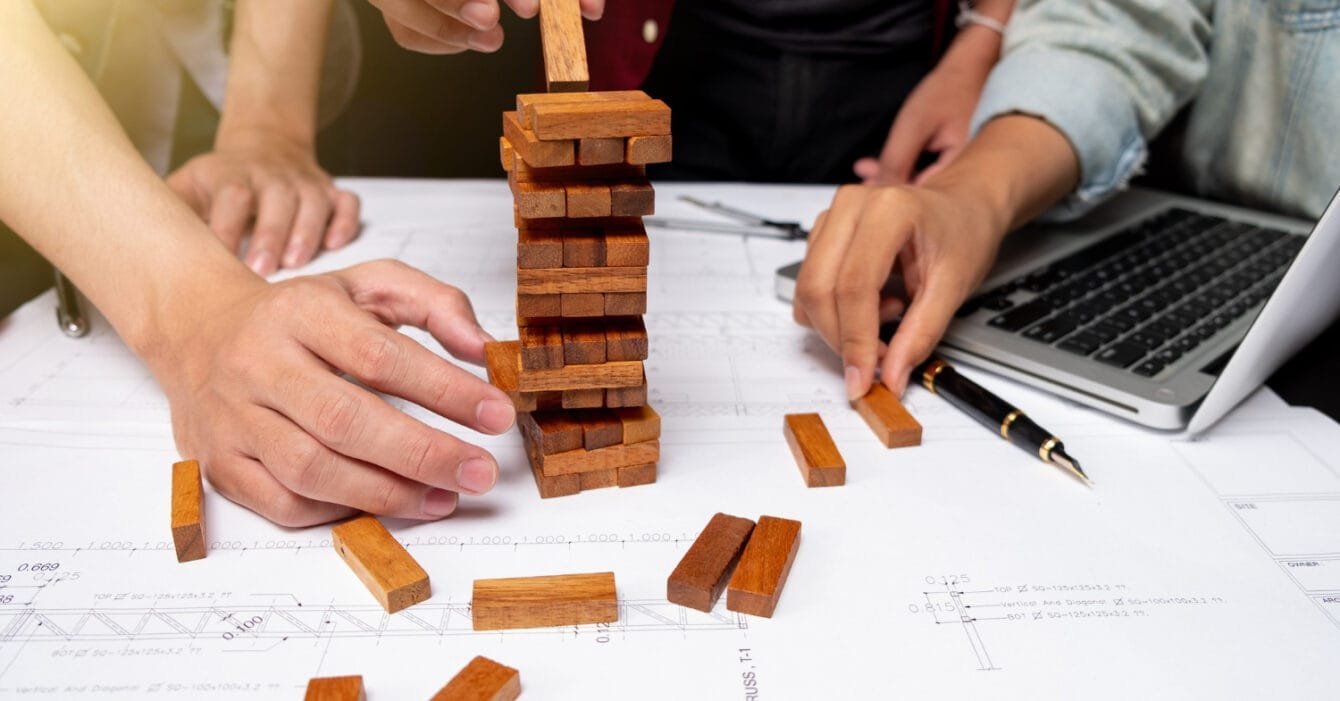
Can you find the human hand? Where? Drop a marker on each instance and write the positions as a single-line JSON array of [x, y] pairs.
[[262, 175], [453, 26], [942, 243], [258, 398]]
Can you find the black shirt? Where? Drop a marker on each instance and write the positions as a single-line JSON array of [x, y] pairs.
[[816, 26]]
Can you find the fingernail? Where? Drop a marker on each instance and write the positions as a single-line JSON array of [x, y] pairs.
[[476, 475], [854, 389], [291, 256], [495, 415], [483, 42], [478, 15], [439, 502], [260, 263]]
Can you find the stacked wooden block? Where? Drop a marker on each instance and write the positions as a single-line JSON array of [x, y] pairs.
[[576, 164]]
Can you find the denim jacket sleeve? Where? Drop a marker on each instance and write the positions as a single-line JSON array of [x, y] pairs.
[[1109, 74]]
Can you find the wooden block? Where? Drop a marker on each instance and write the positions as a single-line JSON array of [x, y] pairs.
[[541, 347], [700, 576], [764, 566], [538, 602], [563, 46], [632, 198], [552, 431], [627, 247], [642, 150], [594, 152], [583, 304], [639, 424], [816, 455], [584, 344], [381, 562], [626, 339], [506, 153], [348, 688], [598, 479], [621, 397], [548, 281], [888, 418], [562, 175], [188, 511], [637, 475], [588, 200], [605, 376], [551, 486], [600, 429], [525, 102], [539, 248], [625, 304], [583, 399], [539, 309], [583, 249], [589, 224], [502, 360], [536, 153], [482, 680], [538, 200], [595, 120], [614, 456]]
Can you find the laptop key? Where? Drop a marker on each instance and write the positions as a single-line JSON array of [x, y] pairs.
[[1149, 368], [1052, 329], [1022, 316], [1121, 354], [1082, 343]]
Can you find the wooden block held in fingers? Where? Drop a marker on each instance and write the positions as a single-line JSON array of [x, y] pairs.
[[538, 602], [482, 680], [816, 455], [588, 200], [539, 248], [621, 397], [526, 102], [888, 418], [563, 46], [599, 479], [536, 153], [381, 562], [632, 198], [594, 152], [626, 339], [538, 200], [551, 486], [588, 120], [759, 577], [700, 576], [583, 304], [188, 511], [600, 429], [548, 281], [583, 398], [642, 150], [349, 688], [583, 249], [614, 456], [584, 343], [637, 475], [639, 424], [605, 376], [625, 303], [541, 347], [628, 247], [502, 360]]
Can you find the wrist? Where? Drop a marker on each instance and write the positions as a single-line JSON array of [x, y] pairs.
[[974, 50], [264, 126]]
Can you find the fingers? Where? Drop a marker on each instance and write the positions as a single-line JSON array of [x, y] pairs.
[[816, 301], [867, 169], [344, 222], [907, 139], [443, 26], [230, 213], [921, 328], [278, 206], [880, 234], [944, 158], [309, 225], [246, 481], [182, 181], [593, 9]]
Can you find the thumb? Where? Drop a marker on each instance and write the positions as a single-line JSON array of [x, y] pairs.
[[183, 182], [906, 141]]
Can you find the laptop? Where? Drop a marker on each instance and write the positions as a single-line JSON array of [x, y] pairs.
[[1161, 309]]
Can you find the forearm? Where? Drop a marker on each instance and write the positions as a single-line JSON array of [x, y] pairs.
[[77, 190], [275, 71], [975, 47]]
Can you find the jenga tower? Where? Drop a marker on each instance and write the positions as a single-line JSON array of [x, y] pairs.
[[576, 163]]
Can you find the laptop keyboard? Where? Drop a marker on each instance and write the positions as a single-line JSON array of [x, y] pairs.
[[1144, 297]]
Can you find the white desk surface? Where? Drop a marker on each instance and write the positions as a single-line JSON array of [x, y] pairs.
[[960, 569]]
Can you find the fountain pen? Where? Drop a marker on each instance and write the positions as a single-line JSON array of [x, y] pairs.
[[996, 414]]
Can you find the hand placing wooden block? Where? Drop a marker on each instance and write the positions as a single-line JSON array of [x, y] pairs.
[[348, 688], [563, 46], [482, 680], [887, 417], [381, 562], [758, 580], [817, 456], [538, 602], [701, 575], [188, 511]]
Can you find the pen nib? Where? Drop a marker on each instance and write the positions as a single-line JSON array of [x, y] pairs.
[[1059, 457]]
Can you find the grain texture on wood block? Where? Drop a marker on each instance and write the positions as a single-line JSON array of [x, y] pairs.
[[584, 343], [536, 153], [634, 198], [348, 688], [628, 247], [188, 511], [583, 249], [587, 200], [548, 281], [541, 347], [564, 175], [583, 398], [540, 602], [620, 397], [482, 680], [637, 475], [381, 562], [604, 376], [550, 486], [759, 577], [502, 360], [640, 423], [552, 431], [579, 305], [538, 200], [625, 304], [600, 429], [701, 575], [642, 150], [563, 46], [598, 479], [539, 248], [626, 339], [614, 456], [539, 308], [526, 102], [594, 152], [587, 120], [888, 418], [506, 153], [820, 463]]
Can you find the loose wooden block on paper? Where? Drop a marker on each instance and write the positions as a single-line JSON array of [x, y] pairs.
[[482, 680], [759, 577], [547, 281], [348, 688], [583, 304], [888, 418], [536, 153], [583, 249], [587, 120], [637, 475], [820, 463], [639, 424], [601, 429], [642, 150], [626, 339], [563, 46], [539, 602], [188, 511], [588, 200], [539, 248], [381, 562], [625, 304], [632, 198], [584, 344], [541, 347], [594, 152], [700, 576], [604, 376], [628, 247], [614, 456], [583, 398]]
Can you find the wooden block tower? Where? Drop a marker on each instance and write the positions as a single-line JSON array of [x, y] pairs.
[[576, 162]]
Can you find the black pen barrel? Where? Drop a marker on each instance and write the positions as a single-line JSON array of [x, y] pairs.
[[991, 411]]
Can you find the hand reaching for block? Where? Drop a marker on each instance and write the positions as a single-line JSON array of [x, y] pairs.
[[455, 26], [259, 395]]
